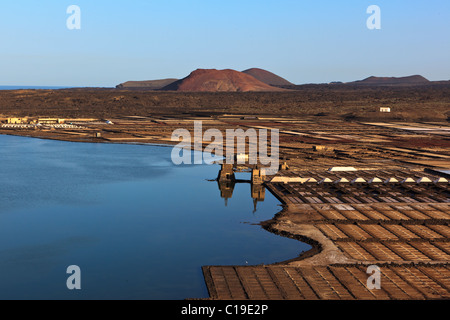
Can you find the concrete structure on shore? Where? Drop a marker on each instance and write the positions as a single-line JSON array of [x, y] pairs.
[[50, 120], [226, 172], [17, 120], [33, 120], [258, 175]]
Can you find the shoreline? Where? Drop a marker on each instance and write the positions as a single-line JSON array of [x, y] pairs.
[[268, 225], [382, 206]]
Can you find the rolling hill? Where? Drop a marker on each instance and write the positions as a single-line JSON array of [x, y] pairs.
[[149, 84], [393, 81], [267, 77], [212, 80]]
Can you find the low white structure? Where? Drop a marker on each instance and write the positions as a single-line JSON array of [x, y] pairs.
[[342, 169], [280, 180], [385, 109], [241, 158], [298, 179], [424, 180], [288, 180], [342, 180]]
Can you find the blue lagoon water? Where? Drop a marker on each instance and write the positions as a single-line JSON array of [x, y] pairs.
[[138, 226]]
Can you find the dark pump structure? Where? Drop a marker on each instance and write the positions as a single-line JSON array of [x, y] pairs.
[[226, 181]]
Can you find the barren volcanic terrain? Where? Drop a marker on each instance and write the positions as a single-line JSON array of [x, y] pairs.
[[267, 77], [212, 80], [394, 81], [323, 101], [148, 84]]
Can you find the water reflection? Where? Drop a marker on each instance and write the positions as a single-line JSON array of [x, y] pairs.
[[138, 226], [258, 194], [226, 189], [226, 180]]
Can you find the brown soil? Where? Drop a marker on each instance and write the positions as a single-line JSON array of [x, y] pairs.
[[324, 102], [149, 84], [212, 80], [416, 79], [267, 77]]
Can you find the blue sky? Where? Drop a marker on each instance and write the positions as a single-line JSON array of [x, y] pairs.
[[303, 41]]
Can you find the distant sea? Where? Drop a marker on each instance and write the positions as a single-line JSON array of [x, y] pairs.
[[30, 88]]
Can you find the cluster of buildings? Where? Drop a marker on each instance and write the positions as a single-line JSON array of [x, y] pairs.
[[32, 120]]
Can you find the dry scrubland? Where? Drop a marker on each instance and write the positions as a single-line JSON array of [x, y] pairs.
[[422, 103]]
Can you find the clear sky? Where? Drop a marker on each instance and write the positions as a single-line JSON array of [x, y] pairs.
[[304, 41]]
